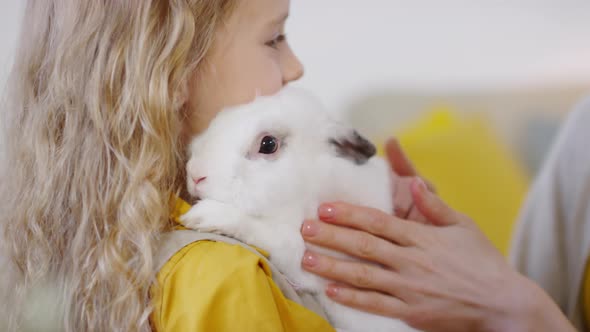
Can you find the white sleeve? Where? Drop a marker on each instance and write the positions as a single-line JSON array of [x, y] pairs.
[[550, 244]]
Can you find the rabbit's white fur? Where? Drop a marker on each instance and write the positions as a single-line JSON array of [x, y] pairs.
[[262, 200]]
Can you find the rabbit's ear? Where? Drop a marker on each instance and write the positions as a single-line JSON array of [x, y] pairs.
[[354, 147]]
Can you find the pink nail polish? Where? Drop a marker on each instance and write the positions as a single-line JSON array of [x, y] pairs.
[[332, 290], [326, 212], [310, 259], [309, 228]]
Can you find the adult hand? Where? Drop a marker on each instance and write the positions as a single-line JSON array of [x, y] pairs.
[[442, 276]]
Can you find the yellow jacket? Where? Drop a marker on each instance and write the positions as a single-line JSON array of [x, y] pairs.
[[216, 286]]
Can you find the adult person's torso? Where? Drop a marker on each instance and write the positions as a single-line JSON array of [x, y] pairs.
[[552, 241]]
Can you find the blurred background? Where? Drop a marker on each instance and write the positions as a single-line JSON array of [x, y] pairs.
[[474, 89]]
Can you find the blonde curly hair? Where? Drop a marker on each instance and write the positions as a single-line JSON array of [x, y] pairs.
[[92, 148]]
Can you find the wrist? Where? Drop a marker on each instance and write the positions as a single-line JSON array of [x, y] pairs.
[[526, 307]]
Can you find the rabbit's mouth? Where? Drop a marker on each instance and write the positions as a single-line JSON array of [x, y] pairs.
[[195, 194], [195, 187]]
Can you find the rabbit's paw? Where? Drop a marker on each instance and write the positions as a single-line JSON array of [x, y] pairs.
[[212, 216]]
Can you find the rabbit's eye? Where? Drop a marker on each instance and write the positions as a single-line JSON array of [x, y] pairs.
[[269, 145]]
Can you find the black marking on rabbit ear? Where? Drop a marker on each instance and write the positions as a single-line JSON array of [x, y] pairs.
[[354, 147]]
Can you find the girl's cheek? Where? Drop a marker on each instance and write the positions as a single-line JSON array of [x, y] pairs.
[[270, 77], [277, 79]]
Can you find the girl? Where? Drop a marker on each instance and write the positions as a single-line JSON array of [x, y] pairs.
[[103, 98]]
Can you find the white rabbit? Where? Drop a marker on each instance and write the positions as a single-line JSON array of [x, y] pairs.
[[260, 169]]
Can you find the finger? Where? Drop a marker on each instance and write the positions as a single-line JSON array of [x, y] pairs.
[[400, 163], [370, 220], [429, 185], [402, 197], [370, 301], [432, 207], [417, 216], [355, 273], [398, 160], [353, 242]]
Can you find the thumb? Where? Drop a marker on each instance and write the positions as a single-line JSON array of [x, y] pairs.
[[432, 207]]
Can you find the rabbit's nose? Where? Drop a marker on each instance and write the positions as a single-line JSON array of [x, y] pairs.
[[199, 180]]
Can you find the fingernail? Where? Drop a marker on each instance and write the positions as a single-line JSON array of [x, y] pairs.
[[326, 212], [332, 290], [309, 228], [310, 259]]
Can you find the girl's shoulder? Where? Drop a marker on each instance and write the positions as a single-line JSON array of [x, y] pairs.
[[207, 257], [217, 286]]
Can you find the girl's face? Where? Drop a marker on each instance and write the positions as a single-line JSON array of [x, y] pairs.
[[250, 56]]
